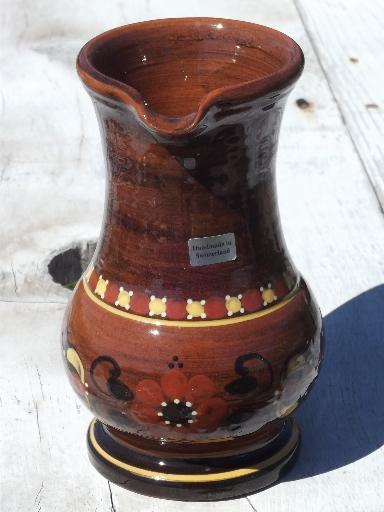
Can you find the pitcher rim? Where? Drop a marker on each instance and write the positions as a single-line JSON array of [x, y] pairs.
[[271, 85]]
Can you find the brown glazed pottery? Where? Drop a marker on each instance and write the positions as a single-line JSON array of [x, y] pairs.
[[191, 337]]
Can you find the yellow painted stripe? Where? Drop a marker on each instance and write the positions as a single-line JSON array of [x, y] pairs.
[[212, 477], [188, 323]]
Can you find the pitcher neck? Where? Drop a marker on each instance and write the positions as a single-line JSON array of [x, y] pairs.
[[162, 193]]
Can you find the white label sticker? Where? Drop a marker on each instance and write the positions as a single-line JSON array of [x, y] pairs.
[[208, 250]]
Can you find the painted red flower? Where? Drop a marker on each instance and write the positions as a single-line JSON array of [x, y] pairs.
[[179, 402]]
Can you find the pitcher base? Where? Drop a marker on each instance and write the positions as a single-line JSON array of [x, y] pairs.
[[191, 479]]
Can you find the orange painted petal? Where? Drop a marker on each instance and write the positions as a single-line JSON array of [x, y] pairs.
[[149, 392], [174, 384], [199, 388], [144, 413], [210, 414]]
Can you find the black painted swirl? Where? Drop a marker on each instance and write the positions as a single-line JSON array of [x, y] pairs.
[[248, 381], [115, 386]]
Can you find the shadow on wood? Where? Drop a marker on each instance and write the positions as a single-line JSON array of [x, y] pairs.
[[343, 420]]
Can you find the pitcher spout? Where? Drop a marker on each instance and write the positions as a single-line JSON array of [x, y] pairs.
[[201, 63]]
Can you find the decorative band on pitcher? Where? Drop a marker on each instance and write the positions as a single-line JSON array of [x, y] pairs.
[[214, 307]]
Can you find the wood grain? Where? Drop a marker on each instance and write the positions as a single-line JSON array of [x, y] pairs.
[[348, 40]]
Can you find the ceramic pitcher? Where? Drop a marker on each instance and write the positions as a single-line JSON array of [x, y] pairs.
[[191, 337]]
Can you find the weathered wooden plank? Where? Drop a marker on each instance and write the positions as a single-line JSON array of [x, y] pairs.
[[348, 38], [42, 449]]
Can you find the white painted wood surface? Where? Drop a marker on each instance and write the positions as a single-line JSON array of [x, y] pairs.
[[348, 38], [51, 197]]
